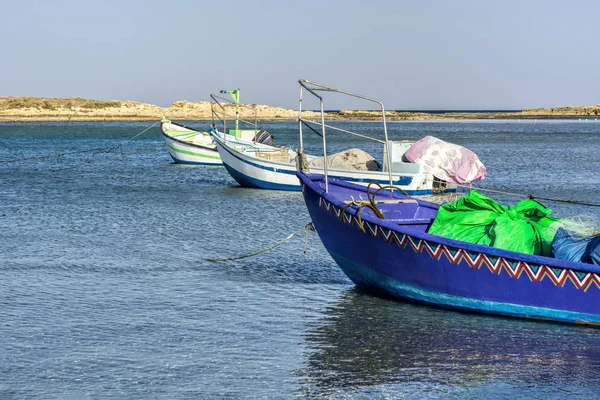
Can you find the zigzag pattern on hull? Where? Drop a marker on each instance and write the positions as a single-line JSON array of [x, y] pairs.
[[514, 268]]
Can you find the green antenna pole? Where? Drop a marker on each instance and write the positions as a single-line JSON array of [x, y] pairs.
[[236, 98]]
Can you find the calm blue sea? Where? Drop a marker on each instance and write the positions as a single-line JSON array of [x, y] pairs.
[[104, 293]]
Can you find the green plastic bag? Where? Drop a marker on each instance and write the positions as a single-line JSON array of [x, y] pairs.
[[475, 218]]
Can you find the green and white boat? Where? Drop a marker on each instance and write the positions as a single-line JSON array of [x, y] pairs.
[[189, 146]]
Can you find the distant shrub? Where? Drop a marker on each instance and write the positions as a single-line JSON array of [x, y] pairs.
[[7, 103], [46, 105], [179, 104]]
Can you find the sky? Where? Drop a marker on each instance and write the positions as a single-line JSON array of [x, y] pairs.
[[419, 54]]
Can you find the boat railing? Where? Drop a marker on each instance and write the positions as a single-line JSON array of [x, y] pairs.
[[314, 89], [219, 112]]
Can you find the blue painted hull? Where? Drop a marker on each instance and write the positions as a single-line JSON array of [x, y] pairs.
[[180, 161], [412, 264], [248, 181]]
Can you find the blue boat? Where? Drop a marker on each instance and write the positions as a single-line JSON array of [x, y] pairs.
[[379, 238], [397, 256]]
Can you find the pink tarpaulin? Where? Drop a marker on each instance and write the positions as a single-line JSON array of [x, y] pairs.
[[446, 161]]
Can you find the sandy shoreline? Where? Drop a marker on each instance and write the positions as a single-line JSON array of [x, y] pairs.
[[39, 109]]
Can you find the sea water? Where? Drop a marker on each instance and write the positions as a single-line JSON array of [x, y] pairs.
[[105, 293]]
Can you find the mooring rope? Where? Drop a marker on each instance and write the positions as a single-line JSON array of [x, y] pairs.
[[144, 131], [97, 150], [578, 202], [532, 197], [54, 155], [146, 150], [308, 227]]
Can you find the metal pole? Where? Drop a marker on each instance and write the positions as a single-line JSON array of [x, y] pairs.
[[300, 118], [312, 88], [255, 121], [324, 148], [308, 123], [387, 148]]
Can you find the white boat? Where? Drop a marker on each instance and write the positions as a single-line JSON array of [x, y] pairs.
[[189, 146], [269, 167]]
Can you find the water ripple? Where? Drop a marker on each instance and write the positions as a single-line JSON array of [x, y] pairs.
[[105, 291]]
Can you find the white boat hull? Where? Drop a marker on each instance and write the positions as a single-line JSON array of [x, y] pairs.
[[251, 171], [187, 146]]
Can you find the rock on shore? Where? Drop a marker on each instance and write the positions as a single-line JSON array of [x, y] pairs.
[[569, 112]]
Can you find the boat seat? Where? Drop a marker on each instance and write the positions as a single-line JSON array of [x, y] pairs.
[[411, 221], [391, 210], [396, 201], [419, 224]]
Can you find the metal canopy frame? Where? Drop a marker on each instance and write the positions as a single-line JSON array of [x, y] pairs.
[[313, 88], [222, 115]]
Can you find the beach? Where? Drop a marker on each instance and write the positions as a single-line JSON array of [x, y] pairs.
[[36, 109]]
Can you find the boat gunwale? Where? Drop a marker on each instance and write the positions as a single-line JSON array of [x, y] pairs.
[[163, 132], [246, 143], [311, 179]]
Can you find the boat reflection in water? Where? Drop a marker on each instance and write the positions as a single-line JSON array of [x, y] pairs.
[[374, 346]]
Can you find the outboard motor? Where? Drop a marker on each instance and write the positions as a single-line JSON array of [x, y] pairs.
[[264, 137]]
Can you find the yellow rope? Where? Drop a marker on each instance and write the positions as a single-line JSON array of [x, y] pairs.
[[370, 203], [381, 188]]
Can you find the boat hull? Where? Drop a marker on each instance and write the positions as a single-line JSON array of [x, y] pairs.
[[267, 174], [257, 173], [184, 152], [424, 268]]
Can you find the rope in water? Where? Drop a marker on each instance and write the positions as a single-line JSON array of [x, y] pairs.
[[146, 150], [578, 202], [144, 131], [98, 150], [308, 227], [103, 150], [532, 197]]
